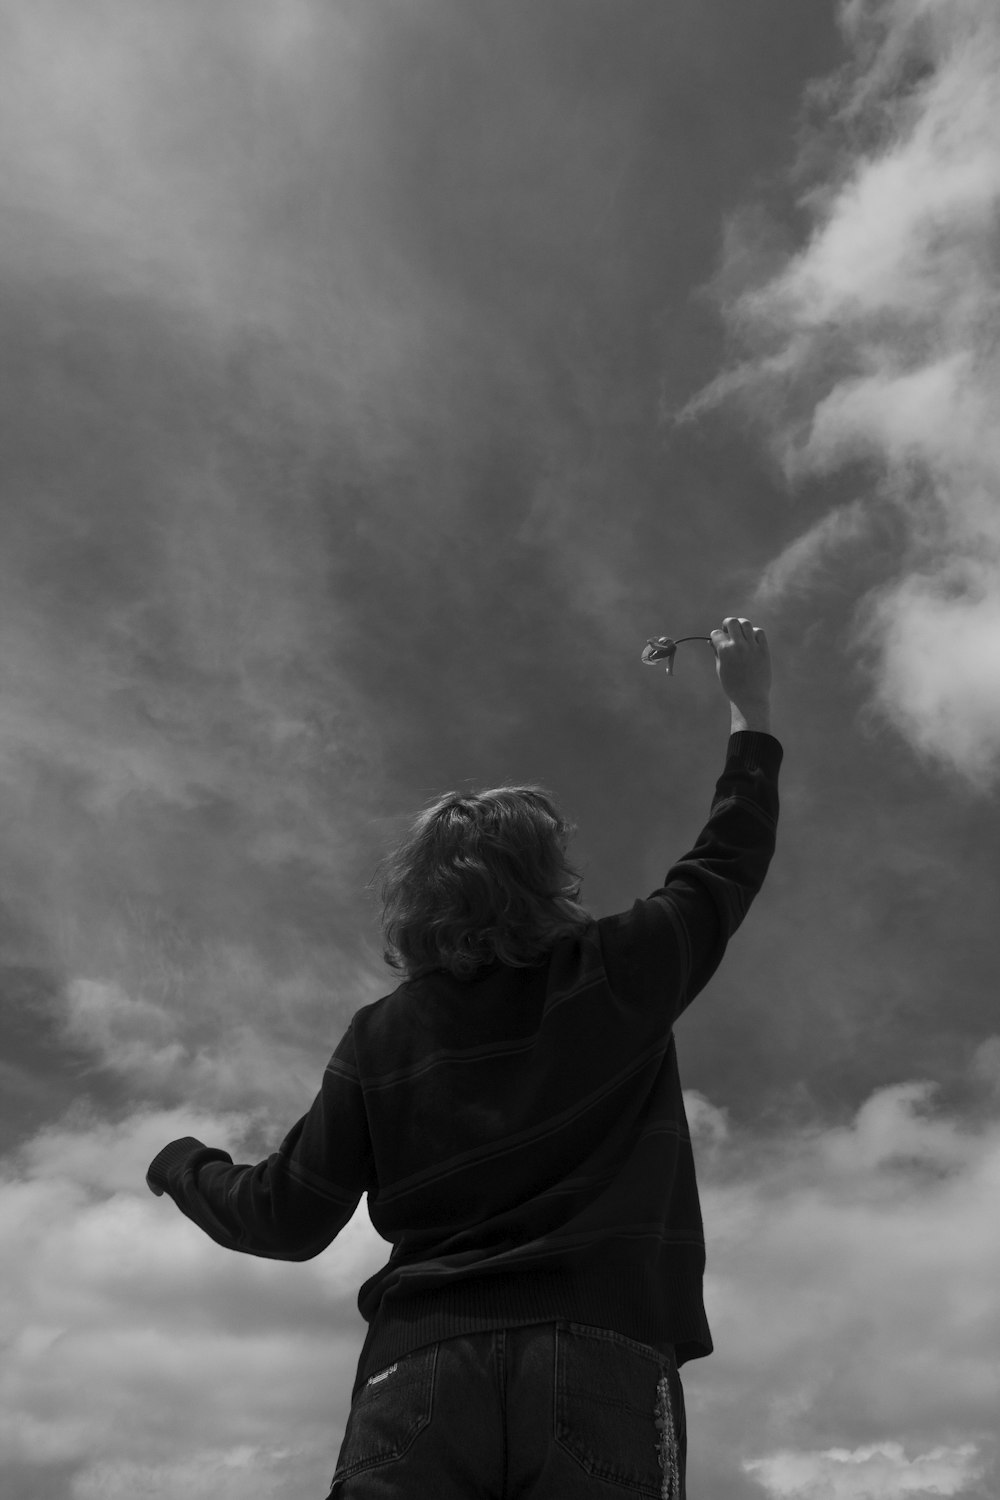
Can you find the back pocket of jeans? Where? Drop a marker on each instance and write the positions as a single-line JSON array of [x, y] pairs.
[[607, 1397], [388, 1414]]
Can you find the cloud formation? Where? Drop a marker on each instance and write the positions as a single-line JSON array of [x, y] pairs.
[[870, 356], [332, 477], [851, 1269], [882, 1469], [851, 1276], [120, 1316]]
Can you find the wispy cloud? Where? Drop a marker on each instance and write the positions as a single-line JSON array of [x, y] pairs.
[[797, 569], [872, 352]]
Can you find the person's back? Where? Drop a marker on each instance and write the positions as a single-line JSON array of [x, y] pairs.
[[513, 1110]]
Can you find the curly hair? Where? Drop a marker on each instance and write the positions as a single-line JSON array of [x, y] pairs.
[[480, 877]]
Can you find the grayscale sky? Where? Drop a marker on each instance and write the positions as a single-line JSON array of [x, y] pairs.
[[377, 375]]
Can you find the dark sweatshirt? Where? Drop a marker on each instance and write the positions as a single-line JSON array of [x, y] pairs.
[[521, 1135]]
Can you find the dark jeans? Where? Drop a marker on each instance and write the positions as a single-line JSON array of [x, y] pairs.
[[551, 1411]]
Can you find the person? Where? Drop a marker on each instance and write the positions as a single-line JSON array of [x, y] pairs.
[[513, 1111]]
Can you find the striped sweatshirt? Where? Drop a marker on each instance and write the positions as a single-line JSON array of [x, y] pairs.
[[521, 1136]]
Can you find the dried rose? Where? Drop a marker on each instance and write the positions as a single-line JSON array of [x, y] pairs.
[[662, 648]]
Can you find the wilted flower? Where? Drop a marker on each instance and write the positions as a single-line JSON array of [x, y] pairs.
[[661, 648]]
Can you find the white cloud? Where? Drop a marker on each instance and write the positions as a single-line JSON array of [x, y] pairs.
[[234, 1051], [131, 1034], [878, 343], [709, 1125], [216, 1474], [890, 1127], [879, 1472], [816, 552], [145, 1355], [851, 1289], [938, 637]]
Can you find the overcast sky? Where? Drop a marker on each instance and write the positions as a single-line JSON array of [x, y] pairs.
[[376, 377]]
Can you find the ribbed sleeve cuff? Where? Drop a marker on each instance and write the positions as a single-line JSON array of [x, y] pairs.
[[171, 1156], [756, 750]]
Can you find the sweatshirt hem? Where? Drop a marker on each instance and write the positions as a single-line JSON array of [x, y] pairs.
[[617, 1298]]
